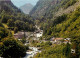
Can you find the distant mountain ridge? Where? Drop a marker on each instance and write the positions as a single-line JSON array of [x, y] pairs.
[[26, 8]]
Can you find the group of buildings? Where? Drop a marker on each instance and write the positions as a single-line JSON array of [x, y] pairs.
[[21, 35], [38, 34], [60, 40]]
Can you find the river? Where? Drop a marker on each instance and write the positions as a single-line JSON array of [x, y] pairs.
[[32, 53]]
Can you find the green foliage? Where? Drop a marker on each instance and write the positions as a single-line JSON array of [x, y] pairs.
[[21, 21], [43, 45], [12, 49], [3, 32], [9, 14], [67, 50], [69, 27], [50, 52], [23, 40], [1, 25], [15, 30], [10, 23], [69, 3], [60, 19]]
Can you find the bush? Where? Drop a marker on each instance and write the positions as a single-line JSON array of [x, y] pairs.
[[12, 49], [3, 32]]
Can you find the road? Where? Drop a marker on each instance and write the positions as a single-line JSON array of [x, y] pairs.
[[32, 53]]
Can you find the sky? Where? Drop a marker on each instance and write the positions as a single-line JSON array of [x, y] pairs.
[[19, 3]]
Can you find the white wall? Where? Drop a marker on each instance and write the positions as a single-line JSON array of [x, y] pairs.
[[39, 34]]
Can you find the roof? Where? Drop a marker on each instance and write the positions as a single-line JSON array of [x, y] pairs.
[[19, 33], [58, 38], [66, 40], [15, 34]]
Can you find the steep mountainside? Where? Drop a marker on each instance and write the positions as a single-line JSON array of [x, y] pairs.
[[10, 23], [63, 21], [26, 8], [13, 17], [8, 6], [48, 8], [67, 26]]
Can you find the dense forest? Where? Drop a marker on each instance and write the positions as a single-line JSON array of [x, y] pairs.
[[57, 18]]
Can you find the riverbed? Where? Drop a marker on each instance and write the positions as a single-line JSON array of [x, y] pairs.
[[32, 53]]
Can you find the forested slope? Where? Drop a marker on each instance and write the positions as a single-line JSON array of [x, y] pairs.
[[61, 22], [14, 18], [8, 6], [65, 26]]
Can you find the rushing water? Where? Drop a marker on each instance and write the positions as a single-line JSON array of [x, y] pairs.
[[32, 53]]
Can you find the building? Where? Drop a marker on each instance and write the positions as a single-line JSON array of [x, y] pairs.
[[67, 40], [58, 39], [19, 35], [39, 34], [73, 51], [52, 38]]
